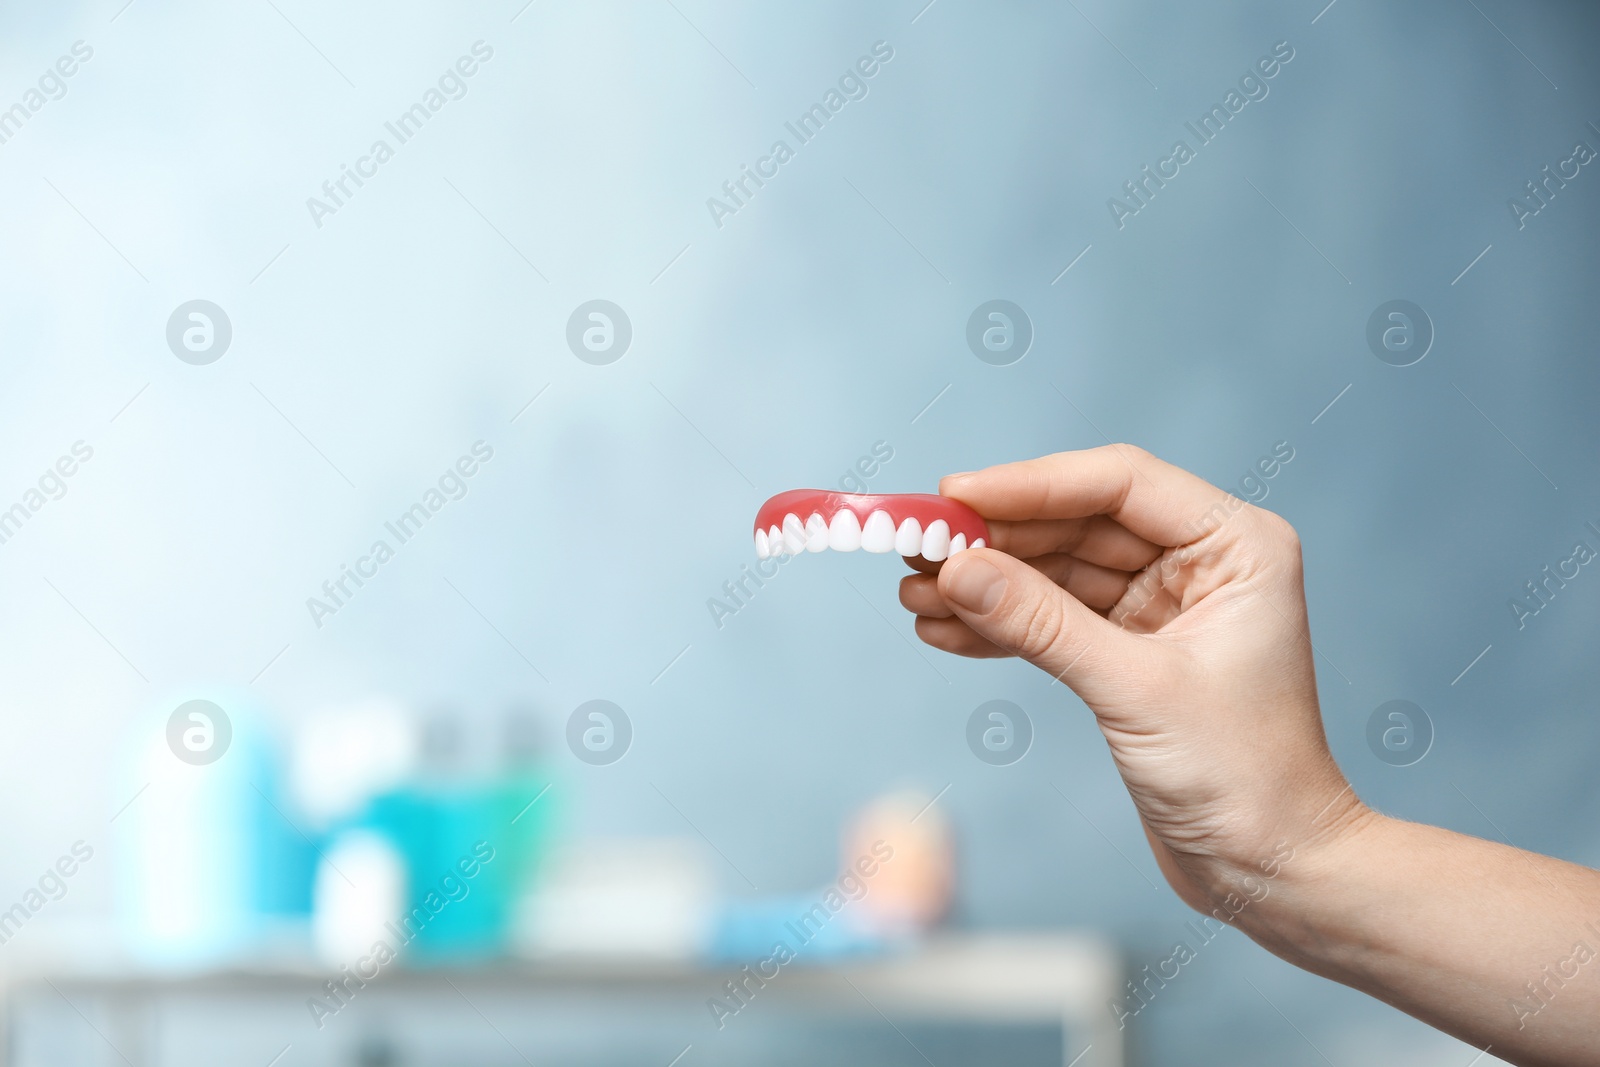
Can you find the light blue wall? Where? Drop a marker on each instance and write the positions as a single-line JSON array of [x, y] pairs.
[[778, 348]]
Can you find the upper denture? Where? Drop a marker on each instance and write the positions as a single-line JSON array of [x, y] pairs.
[[912, 524]]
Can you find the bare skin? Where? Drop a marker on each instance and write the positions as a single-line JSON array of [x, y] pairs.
[[1178, 614]]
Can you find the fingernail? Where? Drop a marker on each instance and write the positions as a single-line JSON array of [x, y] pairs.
[[952, 481], [977, 585]]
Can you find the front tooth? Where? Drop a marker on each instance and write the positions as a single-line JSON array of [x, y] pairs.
[[958, 543], [794, 534], [775, 542], [977, 543], [844, 532], [908, 539], [936, 541], [878, 534], [761, 544], [816, 533]]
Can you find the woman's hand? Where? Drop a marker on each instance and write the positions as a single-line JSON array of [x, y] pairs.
[[1177, 613]]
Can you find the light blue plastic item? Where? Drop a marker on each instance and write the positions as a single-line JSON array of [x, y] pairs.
[[208, 863]]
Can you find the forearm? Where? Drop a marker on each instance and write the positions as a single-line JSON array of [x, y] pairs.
[[1494, 945]]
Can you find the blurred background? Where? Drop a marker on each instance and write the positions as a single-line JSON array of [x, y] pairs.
[[491, 285]]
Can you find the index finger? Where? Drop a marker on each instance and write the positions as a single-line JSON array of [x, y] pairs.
[[1163, 504]]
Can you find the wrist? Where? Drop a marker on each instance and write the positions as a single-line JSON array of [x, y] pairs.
[[1301, 914], [1273, 891]]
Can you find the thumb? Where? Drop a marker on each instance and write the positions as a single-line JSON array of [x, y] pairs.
[[1014, 606]]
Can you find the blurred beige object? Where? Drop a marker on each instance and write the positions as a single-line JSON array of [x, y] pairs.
[[912, 888]]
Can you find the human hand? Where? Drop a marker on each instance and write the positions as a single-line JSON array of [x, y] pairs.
[[1177, 612]]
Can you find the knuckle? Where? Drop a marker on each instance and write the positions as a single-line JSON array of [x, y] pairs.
[[1278, 529], [1276, 535], [1039, 628], [1139, 457], [1076, 534]]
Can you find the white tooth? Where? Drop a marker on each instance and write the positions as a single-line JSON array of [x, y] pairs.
[[936, 541], [794, 534], [977, 543], [908, 539], [775, 542], [958, 543], [844, 532], [761, 544], [816, 533], [878, 534]]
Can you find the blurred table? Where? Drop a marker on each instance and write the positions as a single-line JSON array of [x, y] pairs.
[[979, 999]]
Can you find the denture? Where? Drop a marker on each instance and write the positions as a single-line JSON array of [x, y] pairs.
[[912, 524]]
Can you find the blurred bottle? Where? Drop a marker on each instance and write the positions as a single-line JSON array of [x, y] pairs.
[[211, 868], [343, 756], [346, 754], [422, 818], [523, 800], [468, 842], [361, 885]]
